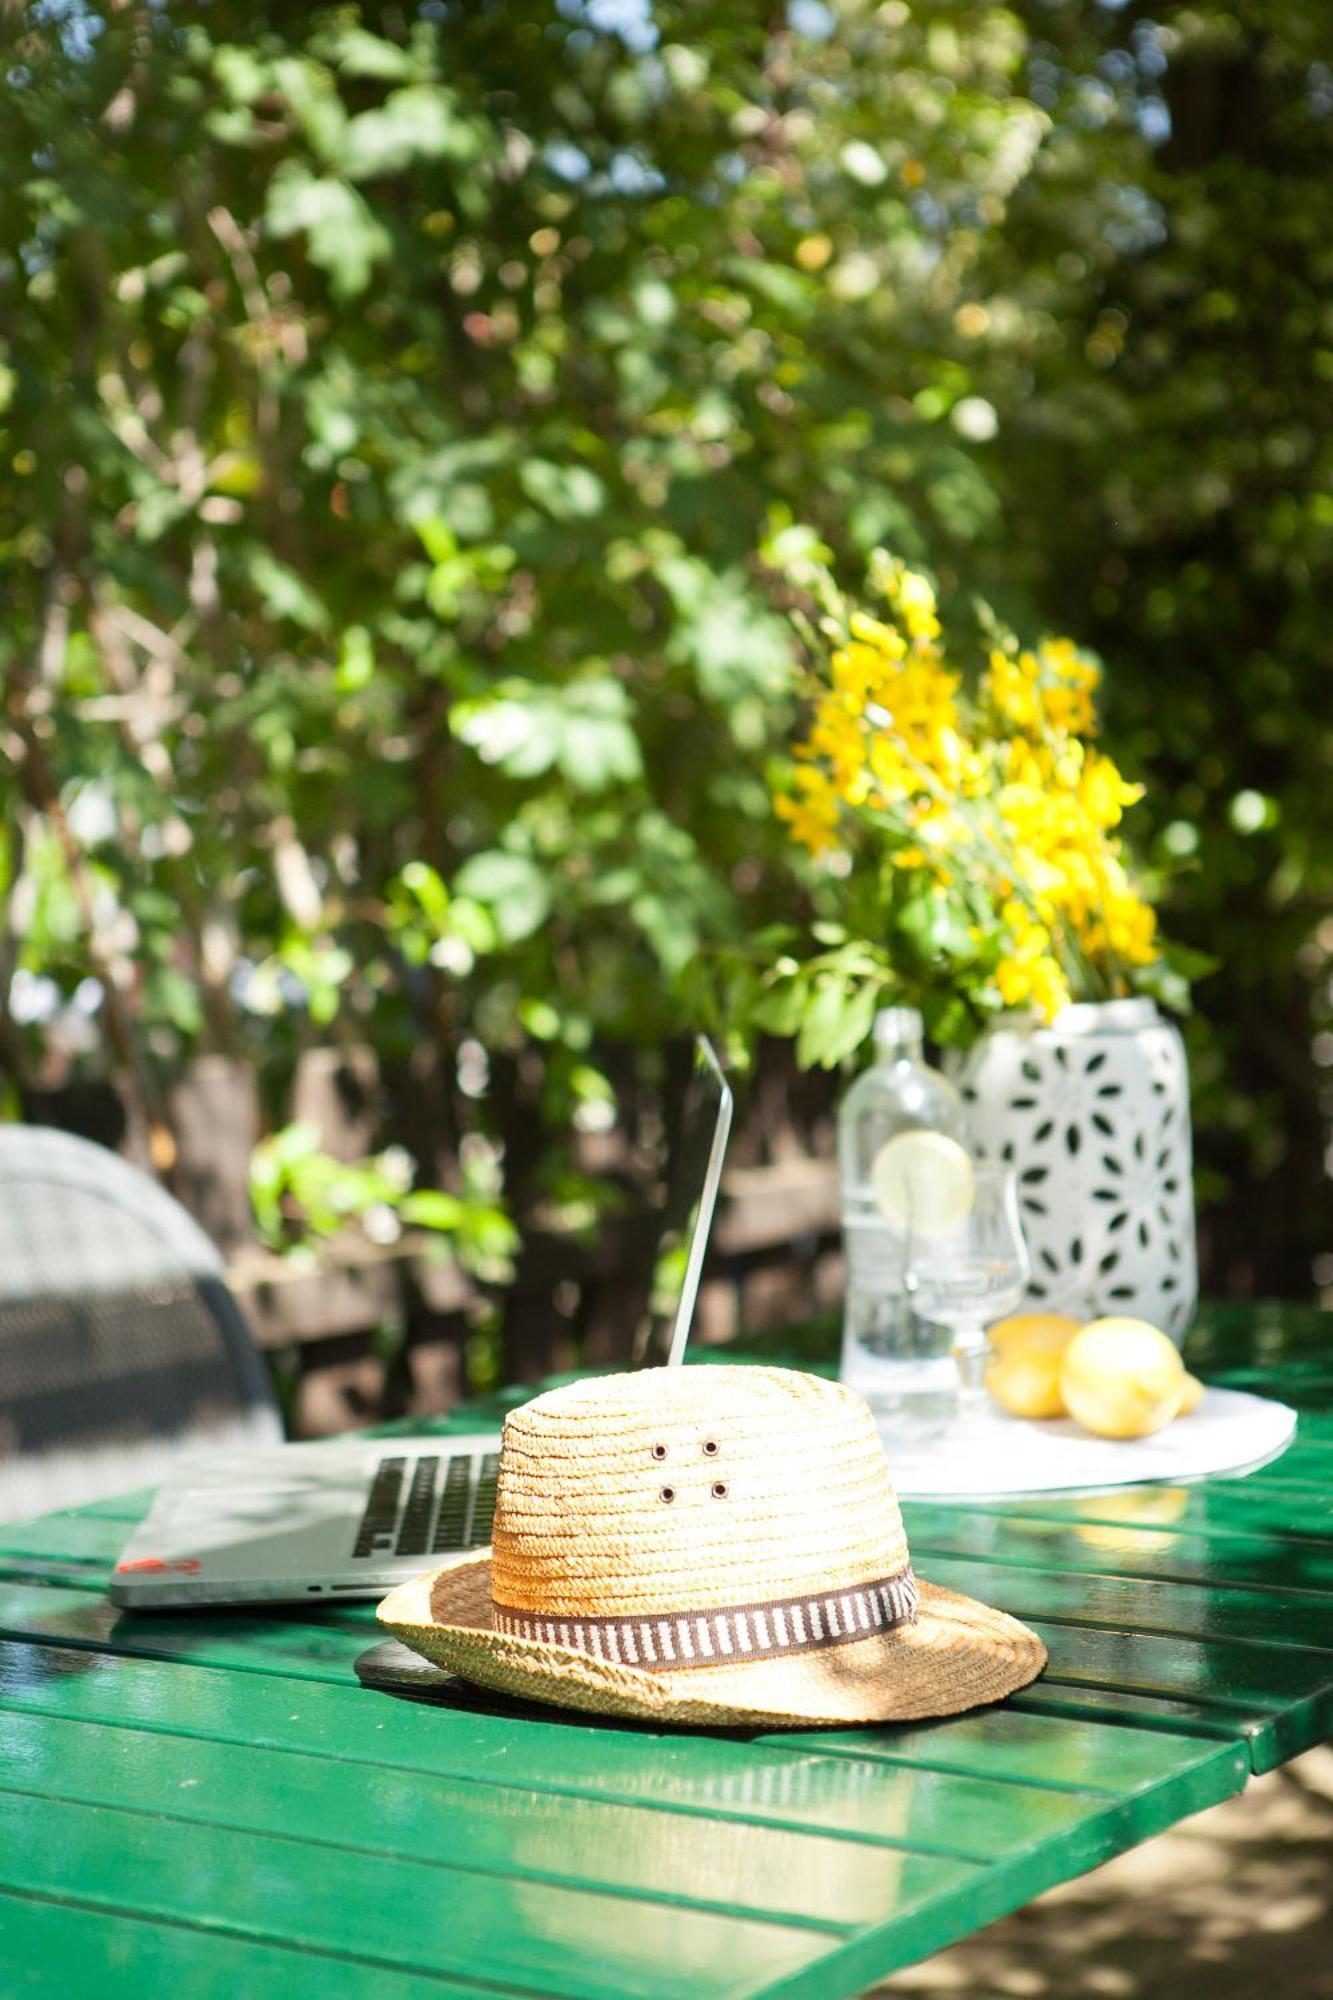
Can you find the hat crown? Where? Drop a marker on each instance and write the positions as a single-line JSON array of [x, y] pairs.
[[690, 1488]]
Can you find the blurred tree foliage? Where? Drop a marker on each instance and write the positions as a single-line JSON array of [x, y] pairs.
[[1173, 496], [409, 411]]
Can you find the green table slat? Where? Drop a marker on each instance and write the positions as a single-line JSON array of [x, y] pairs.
[[197, 1803], [1124, 1709], [124, 1507], [1124, 1541], [51, 1569], [407, 1915], [1279, 1702], [54, 1950], [90, 1538], [1037, 1833], [728, 1866], [320, 1646], [1213, 1508], [778, 1784], [1144, 1604], [1010, 1745]]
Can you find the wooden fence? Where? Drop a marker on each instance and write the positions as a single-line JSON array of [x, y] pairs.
[[362, 1332]]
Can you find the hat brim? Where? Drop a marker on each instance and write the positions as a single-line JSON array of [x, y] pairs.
[[959, 1654]]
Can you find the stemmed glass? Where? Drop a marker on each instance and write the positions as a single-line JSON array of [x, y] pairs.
[[972, 1272]]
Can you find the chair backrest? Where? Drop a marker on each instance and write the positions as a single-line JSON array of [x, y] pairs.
[[120, 1345]]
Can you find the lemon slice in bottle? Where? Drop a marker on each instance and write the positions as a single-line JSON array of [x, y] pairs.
[[923, 1181]]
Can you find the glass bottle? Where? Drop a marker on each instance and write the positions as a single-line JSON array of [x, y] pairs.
[[900, 1363]]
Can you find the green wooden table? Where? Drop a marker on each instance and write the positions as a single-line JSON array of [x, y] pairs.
[[214, 1804]]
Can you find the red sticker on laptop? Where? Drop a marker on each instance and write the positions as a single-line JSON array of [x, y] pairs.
[[189, 1564]]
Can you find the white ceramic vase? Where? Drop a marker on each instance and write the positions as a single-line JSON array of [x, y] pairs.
[[1093, 1112]]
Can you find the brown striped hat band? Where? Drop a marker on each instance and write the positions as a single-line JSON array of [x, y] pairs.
[[728, 1633]]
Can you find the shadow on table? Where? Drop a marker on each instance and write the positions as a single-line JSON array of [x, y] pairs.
[[1234, 1904], [393, 1669]]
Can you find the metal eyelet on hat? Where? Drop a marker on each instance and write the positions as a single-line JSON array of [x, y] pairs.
[[659, 1451], [720, 1489], [710, 1448], [668, 1494]]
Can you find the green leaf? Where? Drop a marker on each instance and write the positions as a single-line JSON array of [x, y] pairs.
[[520, 734], [858, 1019], [779, 1010], [356, 662], [864, 163], [431, 1208], [425, 884], [356, 52], [822, 1023], [285, 594], [936, 926], [342, 235], [513, 888], [1190, 963], [585, 729], [597, 742], [567, 492], [313, 96], [240, 73], [736, 646], [792, 294], [597, 751], [422, 122], [667, 925], [948, 1018], [437, 536]]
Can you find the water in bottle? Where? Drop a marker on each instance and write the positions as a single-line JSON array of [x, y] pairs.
[[903, 1365]]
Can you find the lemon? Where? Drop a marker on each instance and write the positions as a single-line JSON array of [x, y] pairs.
[[1026, 1382], [1034, 1333], [1191, 1394], [923, 1181], [1121, 1378]]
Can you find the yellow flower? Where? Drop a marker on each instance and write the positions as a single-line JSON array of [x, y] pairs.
[[937, 831], [1012, 686], [874, 632], [1068, 678], [1005, 791], [1029, 972], [838, 741], [920, 709], [912, 598], [891, 771], [890, 716], [1038, 981], [1129, 923], [1049, 690], [1103, 793], [1132, 928], [916, 606], [812, 814], [1050, 989], [861, 672]]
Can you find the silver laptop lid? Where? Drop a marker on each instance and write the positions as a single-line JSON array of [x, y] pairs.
[[687, 1213]]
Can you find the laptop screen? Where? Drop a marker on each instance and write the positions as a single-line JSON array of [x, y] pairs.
[[687, 1214]]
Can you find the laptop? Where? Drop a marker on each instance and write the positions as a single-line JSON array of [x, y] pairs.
[[351, 1517]]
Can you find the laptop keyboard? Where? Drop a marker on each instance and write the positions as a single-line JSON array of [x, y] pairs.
[[410, 1511]]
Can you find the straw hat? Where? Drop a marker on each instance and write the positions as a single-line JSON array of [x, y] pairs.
[[708, 1545]]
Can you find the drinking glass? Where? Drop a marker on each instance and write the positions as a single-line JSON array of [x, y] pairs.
[[971, 1273]]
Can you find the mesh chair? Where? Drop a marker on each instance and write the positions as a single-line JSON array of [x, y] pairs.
[[120, 1346]]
